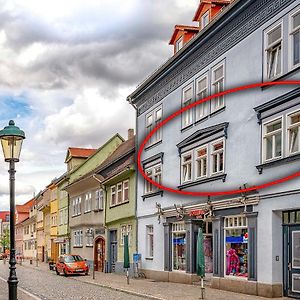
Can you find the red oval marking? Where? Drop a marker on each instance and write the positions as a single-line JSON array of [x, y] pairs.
[[177, 113]]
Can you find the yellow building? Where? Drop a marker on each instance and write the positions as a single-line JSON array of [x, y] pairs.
[[53, 219]]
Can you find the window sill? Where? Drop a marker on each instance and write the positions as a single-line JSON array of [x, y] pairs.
[[153, 194], [125, 202], [183, 129], [279, 78], [153, 145], [76, 216], [77, 246], [149, 258], [277, 162], [98, 209], [218, 111], [89, 246], [86, 212], [204, 180], [201, 120]]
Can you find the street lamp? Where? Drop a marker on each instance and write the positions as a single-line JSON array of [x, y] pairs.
[[11, 140]]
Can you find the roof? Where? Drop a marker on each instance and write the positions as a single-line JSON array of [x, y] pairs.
[[79, 153], [3, 214], [185, 28], [202, 2], [24, 208], [123, 149]]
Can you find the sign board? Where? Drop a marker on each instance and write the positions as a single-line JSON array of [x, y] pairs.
[[137, 257], [198, 213]]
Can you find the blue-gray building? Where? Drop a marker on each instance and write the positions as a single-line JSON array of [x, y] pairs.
[[245, 139]]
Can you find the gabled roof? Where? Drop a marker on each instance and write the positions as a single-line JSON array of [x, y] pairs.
[[202, 2], [79, 153], [25, 208], [184, 28], [3, 215]]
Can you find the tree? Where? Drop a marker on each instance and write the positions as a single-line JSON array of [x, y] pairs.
[[4, 240]]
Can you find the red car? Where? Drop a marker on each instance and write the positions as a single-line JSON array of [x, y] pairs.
[[71, 264]]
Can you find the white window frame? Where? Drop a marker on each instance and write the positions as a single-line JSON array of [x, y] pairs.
[[113, 193], [126, 229], [288, 128], [203, 109], [178, 227], [179, 44], [123, 190], [267, 49], [119, 189], [149, 234], [182, 165], [88, 202], [212, 153], [187, 115], [154, 175], [201, 161], [99, 199], [156, 119], [206, 14], [264, 135], [215, 88], [292, 31]]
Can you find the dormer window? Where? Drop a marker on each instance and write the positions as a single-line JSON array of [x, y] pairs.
[[205, 19], [179, 44]]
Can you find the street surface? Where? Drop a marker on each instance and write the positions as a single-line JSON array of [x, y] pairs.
[[46, 285]]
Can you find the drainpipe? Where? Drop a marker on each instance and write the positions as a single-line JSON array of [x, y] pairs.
[[129, 99]]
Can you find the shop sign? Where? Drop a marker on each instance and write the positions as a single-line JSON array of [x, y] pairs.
[[198, 213], [99, 231]]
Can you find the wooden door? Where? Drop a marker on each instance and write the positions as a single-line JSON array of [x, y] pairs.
[[99, 254]]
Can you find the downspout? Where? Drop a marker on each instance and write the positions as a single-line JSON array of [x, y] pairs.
[[129, 99]]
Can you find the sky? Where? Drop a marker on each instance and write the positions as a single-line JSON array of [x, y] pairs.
[[66, 68]]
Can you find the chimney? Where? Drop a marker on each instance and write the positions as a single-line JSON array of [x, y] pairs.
[[130, 133]]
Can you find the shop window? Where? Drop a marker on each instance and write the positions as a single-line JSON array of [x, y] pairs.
[[273, 48], [178, 246], [293, 132], [236, 246], [295, 38], [187, 97], [272, 140]]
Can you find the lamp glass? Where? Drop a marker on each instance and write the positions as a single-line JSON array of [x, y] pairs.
[[11, 146]]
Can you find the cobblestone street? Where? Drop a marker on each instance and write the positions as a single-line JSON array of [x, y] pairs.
[[45, 284]]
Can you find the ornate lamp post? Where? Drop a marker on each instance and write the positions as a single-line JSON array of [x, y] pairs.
[[11, 140]]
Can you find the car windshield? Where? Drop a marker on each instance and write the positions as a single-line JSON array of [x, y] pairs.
[[73, 258]]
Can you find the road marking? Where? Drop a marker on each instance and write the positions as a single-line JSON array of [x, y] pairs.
[[24, 291]]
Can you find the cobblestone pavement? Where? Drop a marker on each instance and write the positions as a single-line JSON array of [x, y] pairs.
[[46, 285], [41, 281]]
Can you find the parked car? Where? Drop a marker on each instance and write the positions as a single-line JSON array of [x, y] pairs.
[[71, 264]]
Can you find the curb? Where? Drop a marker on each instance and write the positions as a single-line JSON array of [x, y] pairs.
[[121, 290]]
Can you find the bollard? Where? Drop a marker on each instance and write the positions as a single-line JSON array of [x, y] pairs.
[[94, 271]]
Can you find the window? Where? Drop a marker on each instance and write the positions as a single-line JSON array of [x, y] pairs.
[[202, 109], [205, 20], [113, 195], [218, 87], [236, 246], [152, 120], [89, 237], [154, 173], [150, 241], [272, 140], [119, 193], [78, 239], [76, 206], [125, 191], [126, 230], [178, 246], [186, 167], [88, 202], [99, 199], [273, 52], [217, 155], [293, 121], [179, 44], [187, 97], [201, 162], [295, 38]]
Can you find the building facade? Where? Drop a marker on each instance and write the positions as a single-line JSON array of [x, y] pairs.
[[118, 183], [86, 222], [229, 143]]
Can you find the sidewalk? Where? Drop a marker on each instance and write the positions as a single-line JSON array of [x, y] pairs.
[[153, 290]]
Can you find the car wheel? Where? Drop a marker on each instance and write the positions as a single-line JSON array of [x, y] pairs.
[[65, 273], [86, 273]]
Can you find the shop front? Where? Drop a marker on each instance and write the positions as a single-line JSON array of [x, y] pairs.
[[180, 247]]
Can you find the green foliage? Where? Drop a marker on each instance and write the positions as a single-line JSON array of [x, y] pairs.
[[5, 240]]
